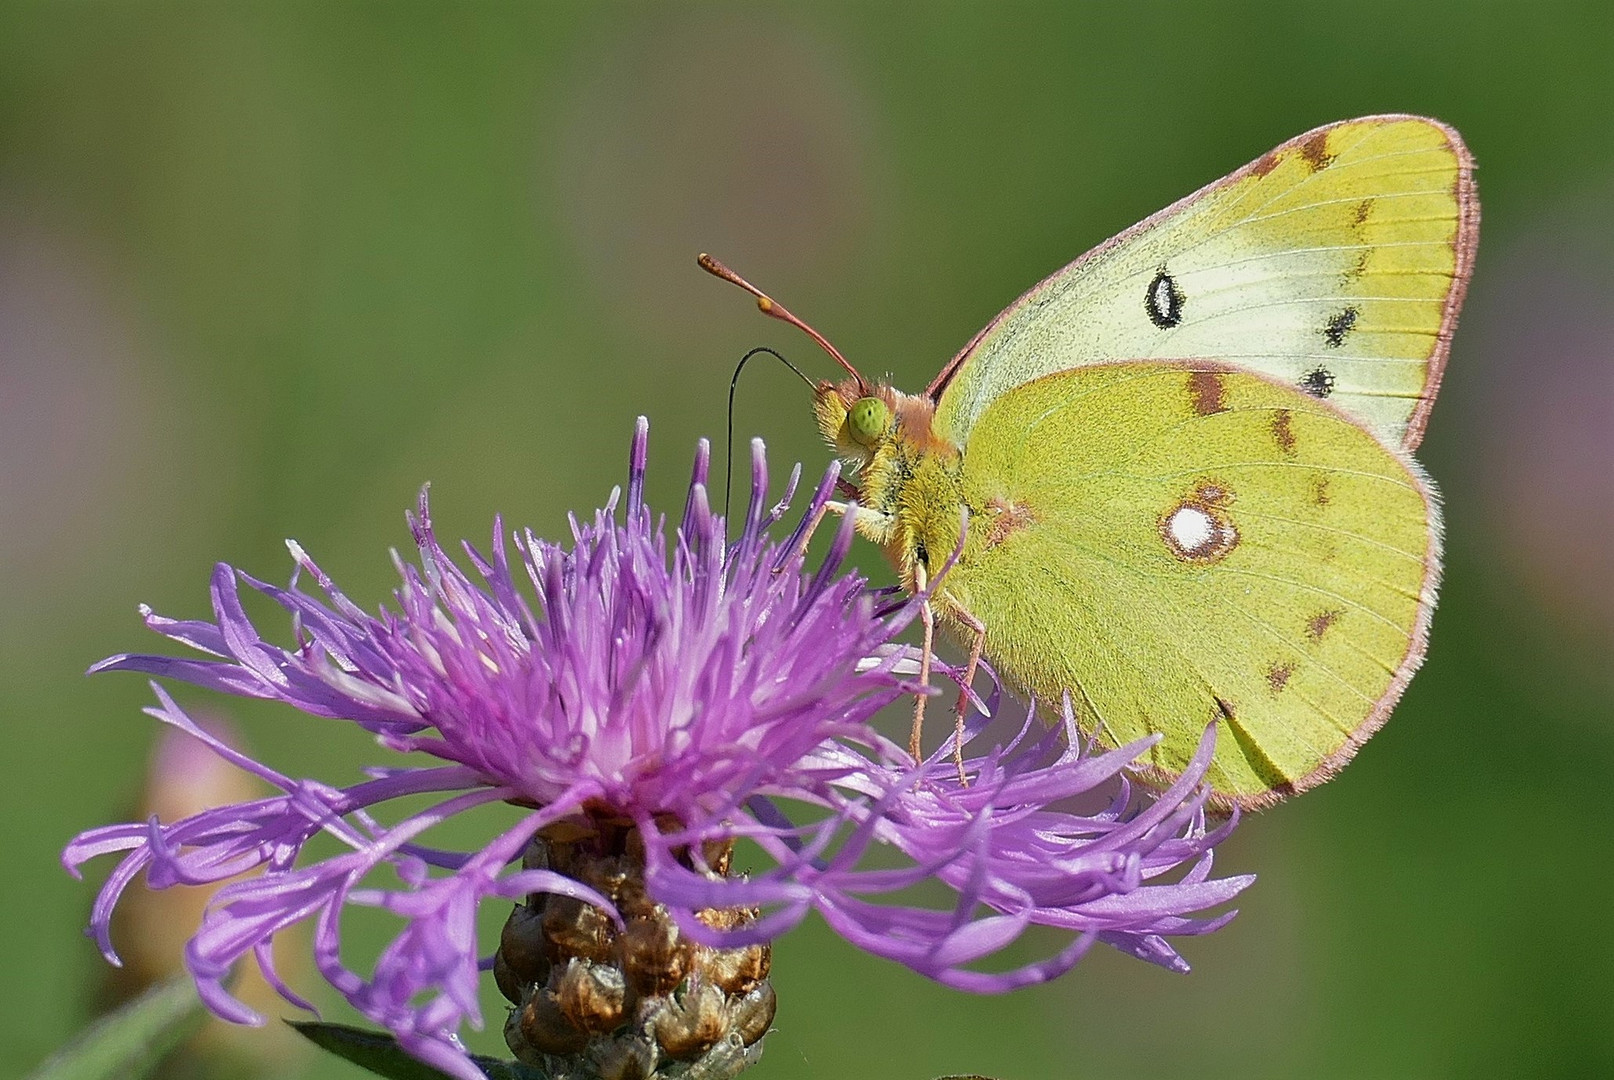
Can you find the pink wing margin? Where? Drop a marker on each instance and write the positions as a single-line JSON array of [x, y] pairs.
[[1468, 217]]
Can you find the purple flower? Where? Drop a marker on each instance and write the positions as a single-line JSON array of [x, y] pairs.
[[686, 688]]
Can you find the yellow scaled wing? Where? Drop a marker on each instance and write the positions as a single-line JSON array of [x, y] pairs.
[[1336, 263], [1177, 544]]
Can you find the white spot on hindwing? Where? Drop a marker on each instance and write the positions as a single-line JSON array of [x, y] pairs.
[[1197, 528], [1192, 529]]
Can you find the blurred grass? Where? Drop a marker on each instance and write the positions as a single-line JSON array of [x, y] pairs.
[[265, 269]]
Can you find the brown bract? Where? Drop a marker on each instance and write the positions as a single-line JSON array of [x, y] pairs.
[[621, 1002]]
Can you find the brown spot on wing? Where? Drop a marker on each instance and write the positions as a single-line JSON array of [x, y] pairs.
[[1278, 675], [1314, 152], [1205, 390], [1007, 519], [1319, 490], [1359, 231], [1213, 493], [1359, 267], [1283, 432], [1318, 624], [1267, 162]]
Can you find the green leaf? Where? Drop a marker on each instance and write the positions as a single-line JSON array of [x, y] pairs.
[[128, 1043], [382, 1055]]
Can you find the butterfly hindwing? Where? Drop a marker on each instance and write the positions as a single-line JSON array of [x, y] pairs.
[[1335, 263], [1181, 543]]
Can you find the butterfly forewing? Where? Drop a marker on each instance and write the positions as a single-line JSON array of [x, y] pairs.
[[1335, 263]]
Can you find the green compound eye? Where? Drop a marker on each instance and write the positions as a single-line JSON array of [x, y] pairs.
[[868, 420]]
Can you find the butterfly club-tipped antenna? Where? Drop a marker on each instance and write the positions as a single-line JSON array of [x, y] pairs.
[[772, 308]]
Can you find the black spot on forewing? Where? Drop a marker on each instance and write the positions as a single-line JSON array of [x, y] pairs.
[[1338, 326], [1163, 300], [1318, 382]]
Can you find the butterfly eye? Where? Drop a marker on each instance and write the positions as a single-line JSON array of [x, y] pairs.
[[867, 421]]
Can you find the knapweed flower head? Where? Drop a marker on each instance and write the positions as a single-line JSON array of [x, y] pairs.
[[648, 700]]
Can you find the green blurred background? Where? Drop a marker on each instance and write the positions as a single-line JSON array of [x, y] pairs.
[[264, 269]]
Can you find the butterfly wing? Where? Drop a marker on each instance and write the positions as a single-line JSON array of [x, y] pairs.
[[1335, 263], [1177, 544]]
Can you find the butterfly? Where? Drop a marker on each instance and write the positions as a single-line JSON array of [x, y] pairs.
[[1172, 483]]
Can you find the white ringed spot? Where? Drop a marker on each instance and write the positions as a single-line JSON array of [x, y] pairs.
[[1192, 530], [1197, 529]]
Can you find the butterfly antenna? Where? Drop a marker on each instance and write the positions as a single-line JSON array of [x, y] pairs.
[[771, 307], [728, 476]]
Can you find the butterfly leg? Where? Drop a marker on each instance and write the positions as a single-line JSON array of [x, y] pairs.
[[872, 523], [927, 619], [977, 630], [828, 508]]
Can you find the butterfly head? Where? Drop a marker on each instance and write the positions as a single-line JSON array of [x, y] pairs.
[[857, 419], [865, 423], [853, 418]]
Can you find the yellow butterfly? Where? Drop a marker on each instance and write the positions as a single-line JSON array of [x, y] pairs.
[[1184, 461]]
